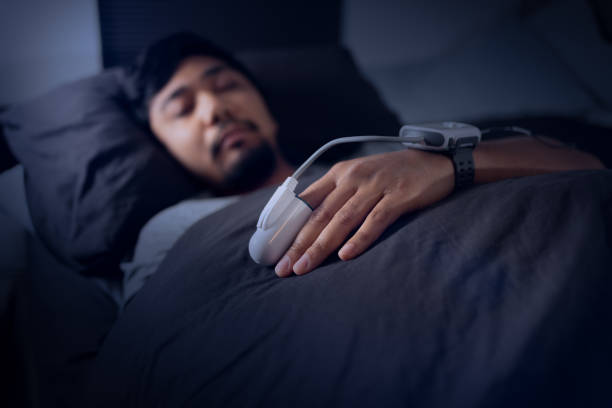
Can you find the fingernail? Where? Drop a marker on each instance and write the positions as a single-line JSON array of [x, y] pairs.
[[301, 266], [347, 250], [282, 267]]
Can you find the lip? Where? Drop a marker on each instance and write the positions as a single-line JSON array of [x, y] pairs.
[[231, 136]]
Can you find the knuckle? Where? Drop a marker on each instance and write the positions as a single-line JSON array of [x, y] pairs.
[[358, 169], [380, 215], [345, 217], [318, 248], [298, 246], [338, 167], [321, 215], [363, 238]]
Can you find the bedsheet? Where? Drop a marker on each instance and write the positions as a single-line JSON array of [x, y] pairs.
[[500, 295]]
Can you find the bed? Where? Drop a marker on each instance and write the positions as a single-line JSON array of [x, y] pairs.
[[497, 296]]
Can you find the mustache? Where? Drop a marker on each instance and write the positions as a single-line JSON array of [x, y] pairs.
[[216, 147]]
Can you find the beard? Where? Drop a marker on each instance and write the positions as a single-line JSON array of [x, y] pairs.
[[252, 170]]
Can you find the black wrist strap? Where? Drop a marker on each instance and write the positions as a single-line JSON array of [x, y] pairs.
[[463, 162]]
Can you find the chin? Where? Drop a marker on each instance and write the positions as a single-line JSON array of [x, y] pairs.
[[250, 168], [235, 156]]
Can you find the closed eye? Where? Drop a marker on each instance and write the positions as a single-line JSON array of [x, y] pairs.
[[184, 109], [228, 86]]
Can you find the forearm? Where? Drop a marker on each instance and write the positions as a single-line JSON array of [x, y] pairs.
[[525, 156], [368, 194]]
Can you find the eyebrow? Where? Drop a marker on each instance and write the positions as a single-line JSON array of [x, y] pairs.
[[207, 73]]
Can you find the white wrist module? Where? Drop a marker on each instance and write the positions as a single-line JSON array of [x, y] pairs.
[[441, 136]]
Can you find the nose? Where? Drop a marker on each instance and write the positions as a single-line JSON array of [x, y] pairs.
[[210, 108]]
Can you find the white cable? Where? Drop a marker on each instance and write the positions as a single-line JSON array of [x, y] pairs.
[[353, 139]]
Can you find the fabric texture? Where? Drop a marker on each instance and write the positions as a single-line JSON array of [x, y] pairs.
[[159, 235], [498, 296], [92, 175], [163, 230]]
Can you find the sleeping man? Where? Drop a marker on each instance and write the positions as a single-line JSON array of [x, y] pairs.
[[209, 113]]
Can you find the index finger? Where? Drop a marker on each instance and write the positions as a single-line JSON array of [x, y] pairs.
[[317, 191]]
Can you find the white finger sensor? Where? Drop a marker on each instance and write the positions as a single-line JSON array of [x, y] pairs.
[[279, 222]]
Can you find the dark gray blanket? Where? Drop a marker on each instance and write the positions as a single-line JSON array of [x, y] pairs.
[[497, 296]]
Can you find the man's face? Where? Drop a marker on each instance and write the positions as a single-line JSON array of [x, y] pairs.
[[213, 120]]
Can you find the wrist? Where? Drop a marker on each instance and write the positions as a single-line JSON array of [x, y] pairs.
[[441, 169]]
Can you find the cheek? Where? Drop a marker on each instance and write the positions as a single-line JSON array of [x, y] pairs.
[[182, 141], [187, 145], [254, 108]]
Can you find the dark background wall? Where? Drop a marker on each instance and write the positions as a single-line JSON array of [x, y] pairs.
[[126, 27], [431, 60]]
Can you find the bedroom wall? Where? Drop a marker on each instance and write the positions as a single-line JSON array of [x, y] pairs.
[[45, 43], [475, 59], [430, 59], [388, 33], [127, 26]]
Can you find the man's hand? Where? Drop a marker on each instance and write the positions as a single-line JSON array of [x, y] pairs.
[[370, 193]]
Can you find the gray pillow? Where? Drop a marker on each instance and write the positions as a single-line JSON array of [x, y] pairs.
[[93, 177]]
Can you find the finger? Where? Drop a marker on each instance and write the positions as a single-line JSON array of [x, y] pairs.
[[381, 216], [344, 221], [315, 193], [319, 218]]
